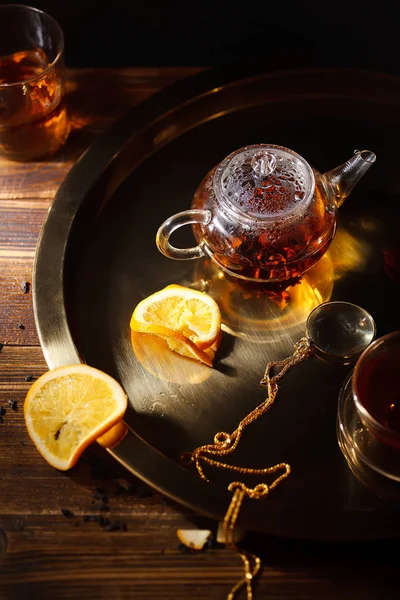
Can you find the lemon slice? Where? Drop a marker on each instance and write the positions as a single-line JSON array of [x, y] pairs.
[[179, 343], [68, 408], [181, 310], [190, 350]]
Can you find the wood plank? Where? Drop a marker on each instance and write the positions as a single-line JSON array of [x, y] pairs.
[[15, 305], [34, 179], [95, 97], [44, 554], [130, 79], [22, 468], [27, 189], [20, 224], [147, 559], [17, 362]]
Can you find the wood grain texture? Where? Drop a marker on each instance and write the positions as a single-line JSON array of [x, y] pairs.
[[44, 554], [15, 305], [95, 97]]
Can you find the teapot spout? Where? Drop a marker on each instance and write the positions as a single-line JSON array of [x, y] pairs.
[[342, 179]]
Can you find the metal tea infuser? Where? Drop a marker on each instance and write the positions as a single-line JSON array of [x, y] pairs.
[[336, 332]]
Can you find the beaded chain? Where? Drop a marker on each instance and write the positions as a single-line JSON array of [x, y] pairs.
[[225, 443]]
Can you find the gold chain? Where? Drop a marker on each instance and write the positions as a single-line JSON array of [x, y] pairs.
[[225, 443]]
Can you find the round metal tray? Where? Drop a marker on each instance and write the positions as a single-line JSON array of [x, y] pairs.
[[97, 258]]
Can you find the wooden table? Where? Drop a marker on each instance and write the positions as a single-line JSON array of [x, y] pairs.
[[47, 546]]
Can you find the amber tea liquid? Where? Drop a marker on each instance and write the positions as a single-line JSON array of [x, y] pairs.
[[283, 251], [286, 252], [33, 116], [379, 387]]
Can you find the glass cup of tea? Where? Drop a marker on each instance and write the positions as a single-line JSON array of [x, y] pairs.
[[376, 389], [33, 114]]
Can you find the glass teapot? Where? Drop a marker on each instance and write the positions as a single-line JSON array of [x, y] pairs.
[[263, 213]]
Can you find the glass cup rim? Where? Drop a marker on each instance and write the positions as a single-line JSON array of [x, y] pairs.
[[362, 411], [60, 45]]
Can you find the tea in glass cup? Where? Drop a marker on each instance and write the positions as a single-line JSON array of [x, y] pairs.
[[33, 114], [376, 389]]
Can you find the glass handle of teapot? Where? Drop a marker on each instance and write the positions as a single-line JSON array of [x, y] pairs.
[[187, 217]]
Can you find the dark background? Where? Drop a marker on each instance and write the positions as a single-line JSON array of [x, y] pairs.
[[207, 33]]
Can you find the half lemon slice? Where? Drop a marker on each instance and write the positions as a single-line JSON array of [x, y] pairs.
[[183, 312], [68, 408]]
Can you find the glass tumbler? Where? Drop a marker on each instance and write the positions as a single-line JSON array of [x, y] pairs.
[[33, 113], [376, 389]]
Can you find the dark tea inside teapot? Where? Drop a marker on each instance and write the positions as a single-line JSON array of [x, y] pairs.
[[263, 213]]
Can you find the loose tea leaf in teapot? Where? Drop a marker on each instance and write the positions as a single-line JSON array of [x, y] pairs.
[[264, 213]]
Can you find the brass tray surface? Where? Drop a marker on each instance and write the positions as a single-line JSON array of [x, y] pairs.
[[97, 258]]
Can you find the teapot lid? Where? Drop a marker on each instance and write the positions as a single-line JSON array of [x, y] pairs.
[[265, 181]]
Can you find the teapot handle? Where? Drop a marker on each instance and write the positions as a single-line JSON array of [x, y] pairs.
[[187, 217]]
